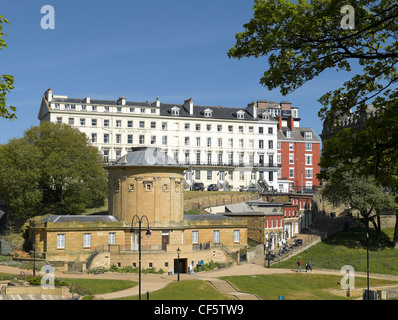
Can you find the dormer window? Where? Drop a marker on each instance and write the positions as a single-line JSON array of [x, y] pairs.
[[175, 111], [307, 135], [240, 114], [208, 113], [288, 134], [265, 116]]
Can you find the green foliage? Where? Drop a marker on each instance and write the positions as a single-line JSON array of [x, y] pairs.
[[304, 39], [51, 170], [192, 211], [6, 81], [361, 193], [131, 269], [212, 265]]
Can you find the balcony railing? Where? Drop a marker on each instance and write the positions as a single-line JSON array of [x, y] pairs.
[[230, 164]]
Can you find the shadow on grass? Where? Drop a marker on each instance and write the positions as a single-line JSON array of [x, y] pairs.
[[349, 238]]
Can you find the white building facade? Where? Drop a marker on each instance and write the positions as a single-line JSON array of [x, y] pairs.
[[230, 147]]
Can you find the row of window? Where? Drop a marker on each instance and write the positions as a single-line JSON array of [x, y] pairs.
[[112, 238], [216, 236], [164, 125], [118, 109], [187, 141], [308, 159], [308, 173]]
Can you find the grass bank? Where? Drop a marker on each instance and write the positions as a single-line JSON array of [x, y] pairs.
[[184, 290], [301, 286], [339, 250]]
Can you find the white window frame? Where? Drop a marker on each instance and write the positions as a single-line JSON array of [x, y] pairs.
[[61, 241], [86, 240], [216, 236], [112, 238], [195, 237], [236, 236]]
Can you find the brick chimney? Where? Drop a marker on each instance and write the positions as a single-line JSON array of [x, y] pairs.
[[279, 118], [286, 105], [290, 123]]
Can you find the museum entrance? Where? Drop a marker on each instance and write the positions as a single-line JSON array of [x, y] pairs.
[[180, 265]]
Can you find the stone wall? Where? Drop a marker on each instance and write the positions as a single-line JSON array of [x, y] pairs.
[[159, 260]]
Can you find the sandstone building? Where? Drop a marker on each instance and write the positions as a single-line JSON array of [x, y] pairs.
[[144, 182]]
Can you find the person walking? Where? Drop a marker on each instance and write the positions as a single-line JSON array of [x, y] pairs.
[[299, 266], [310, 266]]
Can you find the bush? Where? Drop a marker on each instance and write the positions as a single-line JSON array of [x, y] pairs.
[[211, 266], [131, 269]]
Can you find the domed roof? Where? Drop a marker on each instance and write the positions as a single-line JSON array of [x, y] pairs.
[[146, 156]]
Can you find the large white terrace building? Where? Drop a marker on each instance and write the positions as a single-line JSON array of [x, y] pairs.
[[231, 147]]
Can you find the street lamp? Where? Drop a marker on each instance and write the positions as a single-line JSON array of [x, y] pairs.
[[367, 258], [178, 265], [148, 232]]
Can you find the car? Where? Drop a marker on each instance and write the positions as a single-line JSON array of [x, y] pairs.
[[212, 187], [250, 189], [198, 186]]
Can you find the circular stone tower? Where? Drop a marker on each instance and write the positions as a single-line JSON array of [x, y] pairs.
[[146, 182]]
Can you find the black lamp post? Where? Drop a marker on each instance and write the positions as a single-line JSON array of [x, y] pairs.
[[367, 258], [178, 265], [148, 232]]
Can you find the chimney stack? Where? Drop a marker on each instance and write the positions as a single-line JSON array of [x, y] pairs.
[[121, 101], [188, 105], [157, 103], [290, 123], [252, 109], [279, 118], [49, 95]]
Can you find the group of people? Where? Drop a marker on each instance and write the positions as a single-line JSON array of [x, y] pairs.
[[308, 266]]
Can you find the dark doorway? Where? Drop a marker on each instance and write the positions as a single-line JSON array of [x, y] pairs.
[[165, 241], [180, 265]]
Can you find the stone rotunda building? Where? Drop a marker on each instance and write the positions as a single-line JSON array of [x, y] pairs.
[[144, 185]]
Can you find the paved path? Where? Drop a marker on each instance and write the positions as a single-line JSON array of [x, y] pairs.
[[154, 282]]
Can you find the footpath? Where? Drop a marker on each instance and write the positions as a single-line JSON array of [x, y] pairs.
[[154, 282]]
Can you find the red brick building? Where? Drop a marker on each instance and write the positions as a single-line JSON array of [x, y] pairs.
[[298, 154]]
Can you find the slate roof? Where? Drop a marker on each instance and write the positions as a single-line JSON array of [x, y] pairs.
[[146, 156], [297, 134], [201, 217], [219, 112], [77, 218]]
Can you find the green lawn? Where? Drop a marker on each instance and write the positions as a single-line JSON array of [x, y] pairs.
[[301, 286], [338, 250], [184, 290], [100, 286]]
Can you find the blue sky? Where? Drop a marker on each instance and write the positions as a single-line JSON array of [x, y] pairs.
[[138, 49]]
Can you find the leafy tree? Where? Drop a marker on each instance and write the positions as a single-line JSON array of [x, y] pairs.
[[51, 170], [361, 193], [303, 39], [6, 82]]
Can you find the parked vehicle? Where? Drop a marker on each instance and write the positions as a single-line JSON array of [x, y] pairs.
[[212, 187], [198, 186], [249, 189]]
